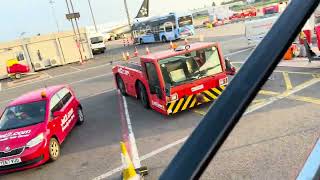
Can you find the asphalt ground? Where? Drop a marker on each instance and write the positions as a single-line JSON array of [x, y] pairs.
[[270, 142]]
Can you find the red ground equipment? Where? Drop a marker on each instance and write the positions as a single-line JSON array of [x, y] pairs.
[[18, 68], [15, 69], [250, 12], [175, 80], [270, 9]]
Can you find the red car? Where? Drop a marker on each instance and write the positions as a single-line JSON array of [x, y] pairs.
[[33, 126]]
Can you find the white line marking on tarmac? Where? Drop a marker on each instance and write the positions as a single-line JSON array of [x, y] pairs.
[[132, 139], [47, 74], [180, 141], [162, 149], [142, 158], [75, 82], [75, 68], [96, 94], [108, 174], [237, 52], [53, 77], [90, 78]]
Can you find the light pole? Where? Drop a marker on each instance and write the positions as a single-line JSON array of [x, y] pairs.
[[76, 20], [94, 21], [74, 31], [25, 50], [128, 16], [54, 14]]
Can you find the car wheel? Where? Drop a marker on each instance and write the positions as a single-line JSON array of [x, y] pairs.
[[54, 149], [18, 76], [143, 96], [141, 41], [80, 116], [121, 85]]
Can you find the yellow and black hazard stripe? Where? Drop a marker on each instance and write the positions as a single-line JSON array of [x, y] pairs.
[[194, 100]]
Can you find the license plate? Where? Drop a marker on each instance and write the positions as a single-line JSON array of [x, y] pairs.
[[10, 161]]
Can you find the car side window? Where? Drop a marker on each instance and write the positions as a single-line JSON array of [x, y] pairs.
[[152, 74], [65, 95], [55, 104]]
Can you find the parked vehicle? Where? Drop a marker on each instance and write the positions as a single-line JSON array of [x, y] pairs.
[[97, 43], [16, 69], [251, 12], [271, 9]]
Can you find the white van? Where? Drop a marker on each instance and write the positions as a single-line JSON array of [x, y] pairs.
[[257, 28], [97, 43]]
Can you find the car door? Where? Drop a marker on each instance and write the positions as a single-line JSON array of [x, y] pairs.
[[54, 123], [68, 109], [156, 93]]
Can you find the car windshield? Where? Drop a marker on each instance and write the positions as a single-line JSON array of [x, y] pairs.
[[185, 20], [23, 115], [191, 66], [96, 40]]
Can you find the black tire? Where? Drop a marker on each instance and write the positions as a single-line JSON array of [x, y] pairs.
[[143, 96], [81, 118], [18, 76], [121, 85], [164, 39], [141, 41], [54, 149]]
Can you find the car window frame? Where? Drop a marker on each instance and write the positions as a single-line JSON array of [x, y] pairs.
[[68, 92], [51, 108]]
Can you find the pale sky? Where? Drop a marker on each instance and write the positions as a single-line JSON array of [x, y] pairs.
[[35, 16]]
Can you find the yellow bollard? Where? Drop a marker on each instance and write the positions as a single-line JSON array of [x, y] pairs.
[[128, 172]]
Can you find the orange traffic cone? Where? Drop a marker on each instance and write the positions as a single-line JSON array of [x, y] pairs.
[[136, 53], [124, 56], [128, 56], [171, 45], [147, 50], [128, 172], [289, 54]]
